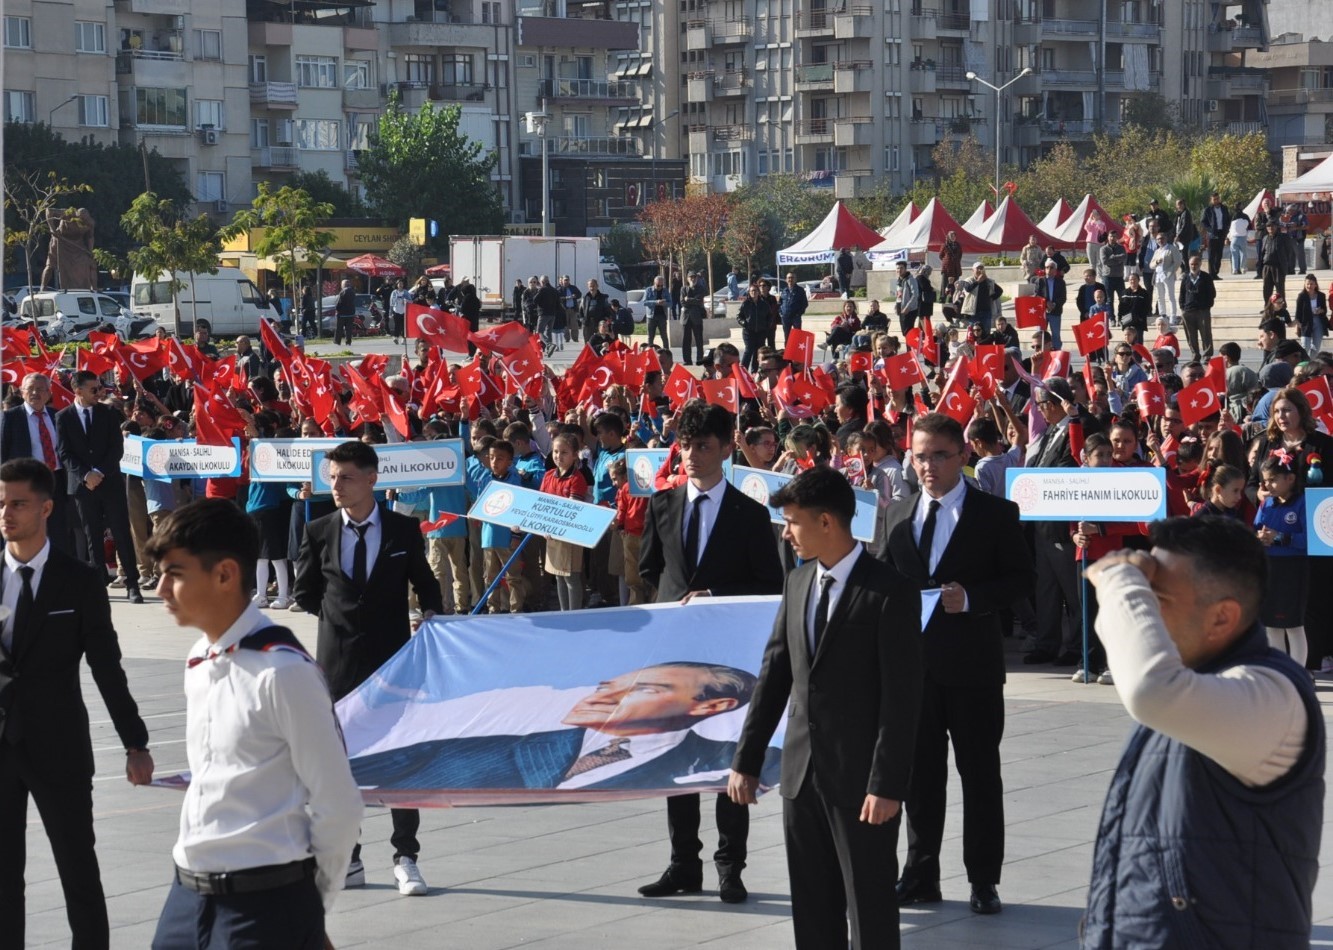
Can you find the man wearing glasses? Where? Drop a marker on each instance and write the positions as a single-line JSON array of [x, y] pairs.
[[90, 447]]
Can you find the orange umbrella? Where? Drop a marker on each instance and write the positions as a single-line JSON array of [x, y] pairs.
[[372, 265]]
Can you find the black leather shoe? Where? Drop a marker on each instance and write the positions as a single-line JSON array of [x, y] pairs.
[[1039, 656], [674, 881], [732, 889], [985, 900], [918, 892], [133, 594]]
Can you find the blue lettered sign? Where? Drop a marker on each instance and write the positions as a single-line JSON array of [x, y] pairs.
[[522, 509], [403, 465], [1087, 494], [759, 484]]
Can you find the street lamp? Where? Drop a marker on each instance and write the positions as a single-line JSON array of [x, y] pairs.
[[537, 123], [1027, 71], [653, 130], [51, 113]]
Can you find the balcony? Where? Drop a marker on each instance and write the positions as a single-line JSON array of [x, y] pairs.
[[1244, 128], [352, 161], [266, 33], [1027, 32], [731, 82], [851, 131], [953, 23], [591, 91], [274, 158], [817, 76], [1116, 29], [814, 131], [698, 35], [273, 95], [733, 133], [699, 86], [1068, 128], [923, 26], [814, 23], [359, 99], [166, 45], [1298, 97], [414, 94], [1069, 77], [581, 32], [1056, 29], [576, 145], [420, 33], [1222, 39], [952, 76], [851, 182], [852, 22], [1027, 135], [360, 38], [727, 32], [854, 76], [921, 78], [926, 131], [698, 139]]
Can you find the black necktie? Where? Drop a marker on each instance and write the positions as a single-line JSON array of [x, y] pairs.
[[821, 612], [928, 533], [692, 532], [88, 420], [359, 555], [23, 611]]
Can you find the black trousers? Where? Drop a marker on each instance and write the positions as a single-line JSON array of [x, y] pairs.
[[906, 321], [342, 328], [62, 790], [657, 326], [692, 331], [1275, 278], [733, 833], [821, 837], [406, 821], [1217, 245], [291, 916], [106, 509], [57, 526], [1057, 593], [971, 717]]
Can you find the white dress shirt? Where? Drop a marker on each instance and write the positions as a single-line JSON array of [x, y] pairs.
[[708, 512], [42, 418], [641, 749], [13, 586], [840, 571], [946, 519], [269, 778], [349, 540]]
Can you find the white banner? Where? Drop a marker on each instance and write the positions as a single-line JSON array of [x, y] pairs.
[[1087, 494], [189, 459], [285, 460]]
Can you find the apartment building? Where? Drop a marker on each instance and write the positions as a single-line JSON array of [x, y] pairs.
[[1300, 97]]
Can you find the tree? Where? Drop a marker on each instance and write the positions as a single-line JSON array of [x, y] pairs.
[[323, 189], [172, 242], [30, 198], [744, 237], [708, 214], [407, 254], [1150, 111], [290, 220], [791, 208], [1239, 165], [623, 244], [421, 164]]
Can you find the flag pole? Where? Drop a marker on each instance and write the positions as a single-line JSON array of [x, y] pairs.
[[501, 575]]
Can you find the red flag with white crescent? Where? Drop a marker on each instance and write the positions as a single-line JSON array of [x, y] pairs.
[[1198, 401], [681, 386]]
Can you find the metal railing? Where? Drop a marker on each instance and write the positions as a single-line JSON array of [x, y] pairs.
[[1060, 27], [815, 127], [817, 72], [1120, 29], [273, 93], [593, 145], [275, 156], [955, 74], [587, 89]]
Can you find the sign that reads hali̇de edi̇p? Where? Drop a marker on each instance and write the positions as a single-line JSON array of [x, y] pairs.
[[1087, 494], [522, 509], [402, 465], [285, 460]]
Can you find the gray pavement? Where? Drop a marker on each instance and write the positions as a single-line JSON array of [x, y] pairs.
[[556, 877]]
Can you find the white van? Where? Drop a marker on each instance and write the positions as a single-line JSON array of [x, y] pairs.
[[227, 300]]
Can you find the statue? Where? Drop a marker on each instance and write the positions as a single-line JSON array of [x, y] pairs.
[[70, 251]]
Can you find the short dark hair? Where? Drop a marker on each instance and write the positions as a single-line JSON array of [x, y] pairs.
[[84, 376], [355, 453], [1231, 350], [36, 474], [819, 489], [609, 420], [984, 430], [854, 398], [213, 530], [1228, 560], [937, 423], [1274, 326], [700, 420], [503, 446]]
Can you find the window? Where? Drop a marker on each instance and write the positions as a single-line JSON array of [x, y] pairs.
[[317, 72], [259, 69], [210, 187], [89, 37], [419, 68], [358, 132], [208, 112], [499, 74], [259, 129], [160, 107], [322, 135], [456, 69], [208, 44], [87, 305], [18, 32], [490, 12], [19, 106], [93, 111], [356, 74]]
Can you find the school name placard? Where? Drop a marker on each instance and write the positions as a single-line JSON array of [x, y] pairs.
[[1319, 521], [759, 484], [1087, 494], [402, 465], [643, 464], [285, 460], [164, 461], [533, 512]]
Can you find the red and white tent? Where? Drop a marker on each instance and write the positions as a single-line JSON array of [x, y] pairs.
[[905, 217], [1253, 207], [1314, 185], [1070, 231], [839, 229], [974, 223], [1058, 215], [927, 233], [1009, 228]]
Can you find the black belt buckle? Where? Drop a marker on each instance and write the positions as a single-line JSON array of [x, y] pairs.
[[246, 881]]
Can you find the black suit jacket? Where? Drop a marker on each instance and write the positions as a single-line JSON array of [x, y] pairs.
[[41, 703], [854, 705], [99, 448], [1052, 450], [741, 556], [1055, 302], [16, 437], [989, 557], [359, 630]]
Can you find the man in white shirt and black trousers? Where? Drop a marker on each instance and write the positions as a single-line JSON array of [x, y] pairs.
[[272, 810]]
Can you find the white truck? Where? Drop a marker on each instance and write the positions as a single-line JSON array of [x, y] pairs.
[[230, 303], [494, 263]]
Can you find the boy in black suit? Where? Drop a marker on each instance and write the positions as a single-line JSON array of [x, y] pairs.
[[706, 538], [353, 571], [57, 613], [969, 546], [846, 653]]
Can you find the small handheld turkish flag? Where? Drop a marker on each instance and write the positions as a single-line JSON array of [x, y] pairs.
[[1320, 398], [1091, 335], [800, 347], [445, 519], [681, 386], [903, 371], [724, 393], [1030, 312], [860, 362], [1198, 401]]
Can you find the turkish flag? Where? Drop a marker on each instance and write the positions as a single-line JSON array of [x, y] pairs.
[[681, 386], [1217, 372], [1091, 335], [724, 393], [17, 343], [441, 394], [745, 383], [799, 396], [1052, 363], [505, 338], [60, 396], [15, 371], [273, 343], [1030, 312], [957, 405], [185, 361], [445, 519], [860, 362], [651, 364], [142, 361], [903, 371], [93, 362], [218, 373], [922, 339], [469, 377], [365, 398], [441, 328], [800, 347], [1143, 354], [522, 366], [373, 364], [215, 418], [394, 409], [1320, 398], [987, 370], [1198, 401], [635, 370], [1151, 397]]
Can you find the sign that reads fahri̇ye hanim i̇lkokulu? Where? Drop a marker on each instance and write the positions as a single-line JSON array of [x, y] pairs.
[[1087, 494], [403, 465], [550, 516]]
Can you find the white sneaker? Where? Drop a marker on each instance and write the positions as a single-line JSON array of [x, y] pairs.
[[282, 603], [356, 875], [410, 881], [1106, 679], [1078, 677], [260, 601], [118, 582], [296, 608]]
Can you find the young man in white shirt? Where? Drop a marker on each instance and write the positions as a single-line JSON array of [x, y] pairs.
[[272, 811]]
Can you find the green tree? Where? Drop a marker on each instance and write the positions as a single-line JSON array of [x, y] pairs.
[[1060, 173], [31, 197], [623, 244], [172, 242], [420, 164], [324, 190], [1239, 165], [743, 240], [292, 235], [1151, 111], [790, 207], [407, 254]]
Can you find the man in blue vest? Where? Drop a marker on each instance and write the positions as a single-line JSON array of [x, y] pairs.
[[1210, 832]]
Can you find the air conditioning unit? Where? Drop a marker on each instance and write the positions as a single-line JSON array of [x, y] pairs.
[[220, 206], [209, 136], [1213, 105]]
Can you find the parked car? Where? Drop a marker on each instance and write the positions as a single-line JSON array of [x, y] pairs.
[[634, 301]]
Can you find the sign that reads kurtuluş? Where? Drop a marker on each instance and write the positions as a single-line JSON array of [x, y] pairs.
[[550, 516], [1087, 494], [402, 465], [285, 460]]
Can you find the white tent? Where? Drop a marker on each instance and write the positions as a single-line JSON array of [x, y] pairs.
[[1314, 185], [927, 233], [978, 218], [905, 217], [1058, 215], [1070, 231], [839, 229]]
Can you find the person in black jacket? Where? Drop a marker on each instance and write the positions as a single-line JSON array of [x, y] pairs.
[[1275, 260], [969, 545], [852, 677], [846, 264], [344, 310], [706, 538], [20, 437], [353, 572], [1216, 224], [1197, 294], [1135, 306], [594, 308], [309, 320], [469, 308], [692, 330]]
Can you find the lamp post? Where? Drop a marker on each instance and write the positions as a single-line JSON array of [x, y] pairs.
[[537, 123], [50, 114], [998, 90], [653, 129]]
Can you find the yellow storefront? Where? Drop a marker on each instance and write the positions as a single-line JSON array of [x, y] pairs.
[[348, 242]]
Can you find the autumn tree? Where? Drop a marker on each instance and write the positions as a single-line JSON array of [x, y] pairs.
[[1239, 165], [172, 242], [743, 238], [708, 216]]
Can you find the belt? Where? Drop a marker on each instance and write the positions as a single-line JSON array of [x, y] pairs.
[[247, 881]]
